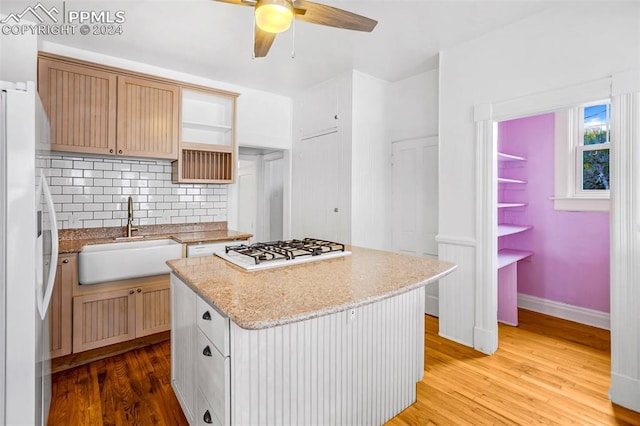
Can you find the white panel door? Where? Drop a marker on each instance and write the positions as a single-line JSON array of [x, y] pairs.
[[316, 188], [415, 196]]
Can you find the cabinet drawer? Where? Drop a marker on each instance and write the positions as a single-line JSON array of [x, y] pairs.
[[204, 413], [214, 326], [213, 378]]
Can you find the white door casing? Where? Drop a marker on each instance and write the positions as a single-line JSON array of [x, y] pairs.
[[247, 197], [624, 90]]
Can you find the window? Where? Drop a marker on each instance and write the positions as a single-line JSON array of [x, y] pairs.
[[592, 153], [583, 142]]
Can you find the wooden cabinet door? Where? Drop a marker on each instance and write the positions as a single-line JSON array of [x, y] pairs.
[[103, 319], [148, 118], [81, 105], [60, 306], [153, 309]]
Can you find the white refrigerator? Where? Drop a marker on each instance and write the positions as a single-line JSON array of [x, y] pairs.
[[28, 256]]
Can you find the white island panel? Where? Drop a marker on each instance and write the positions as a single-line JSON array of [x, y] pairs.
[[359, 366]]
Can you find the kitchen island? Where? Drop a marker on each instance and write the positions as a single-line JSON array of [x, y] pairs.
[[337, 341]]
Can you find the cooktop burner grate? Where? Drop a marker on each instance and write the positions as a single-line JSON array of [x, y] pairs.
[[287, 250]]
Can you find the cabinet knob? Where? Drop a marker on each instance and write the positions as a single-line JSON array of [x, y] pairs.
[[206, 351], [207, 417], [111, 151], [65, 261], [336, 117], [119, 151], [206, 316], [139, 290], [131, 291]]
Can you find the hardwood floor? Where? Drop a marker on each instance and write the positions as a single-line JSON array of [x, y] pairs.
[[546, 371]]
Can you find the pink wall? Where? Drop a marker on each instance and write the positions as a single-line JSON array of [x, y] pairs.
[[571, 249]]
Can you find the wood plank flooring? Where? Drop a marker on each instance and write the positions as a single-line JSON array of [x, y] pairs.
[[546, 371]]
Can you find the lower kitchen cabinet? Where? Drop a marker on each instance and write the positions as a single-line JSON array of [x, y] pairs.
[[134, 309], [60, 306], [200, 362]]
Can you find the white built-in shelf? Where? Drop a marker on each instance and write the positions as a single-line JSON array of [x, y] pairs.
[[508, 256], [504, 230], [508, 157], [507, 180], [509, 205], [205, 126]]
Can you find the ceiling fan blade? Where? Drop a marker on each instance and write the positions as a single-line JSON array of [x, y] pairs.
[[239, 2], [333, 17], [262, 42]]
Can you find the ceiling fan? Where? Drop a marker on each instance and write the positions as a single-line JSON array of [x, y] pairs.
[[275, 16]]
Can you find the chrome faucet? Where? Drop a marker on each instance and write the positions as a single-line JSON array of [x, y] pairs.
[[130, 229]]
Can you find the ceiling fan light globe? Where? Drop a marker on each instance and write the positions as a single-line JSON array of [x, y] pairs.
[[274, 16]]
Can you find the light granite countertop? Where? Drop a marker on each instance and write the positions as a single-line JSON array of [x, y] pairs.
[[73, 240], [272, 297]]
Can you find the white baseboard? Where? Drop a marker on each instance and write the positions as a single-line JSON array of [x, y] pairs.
[[485, 341], [625, 391], [562, 310], [431, 306]]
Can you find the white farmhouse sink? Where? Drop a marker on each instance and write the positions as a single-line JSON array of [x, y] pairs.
[[100, 263]]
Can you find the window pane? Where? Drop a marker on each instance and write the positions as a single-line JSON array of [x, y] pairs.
[[596, 124], [595, 169]]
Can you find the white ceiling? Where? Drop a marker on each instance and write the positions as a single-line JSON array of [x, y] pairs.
[[214, 40]]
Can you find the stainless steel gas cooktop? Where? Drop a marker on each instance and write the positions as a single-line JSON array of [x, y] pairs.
[[281, 253]]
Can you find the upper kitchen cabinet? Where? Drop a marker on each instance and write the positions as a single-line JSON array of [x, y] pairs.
[[148, 117], [96, 109], [207, 144], [81, 105], [318, 110]]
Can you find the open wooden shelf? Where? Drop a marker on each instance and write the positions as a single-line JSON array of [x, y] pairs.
[[508, 256], [507, 229]]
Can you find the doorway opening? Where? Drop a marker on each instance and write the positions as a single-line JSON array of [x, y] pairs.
[[260, 193], [550, 260]]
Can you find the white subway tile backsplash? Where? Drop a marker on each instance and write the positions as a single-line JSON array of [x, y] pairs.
[[61, 164], [93, 173], [103, 166], [122, 167], [93, 192], [82, 165], [71, 172]]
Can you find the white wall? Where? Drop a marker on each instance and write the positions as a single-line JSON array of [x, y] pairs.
[[572, 43], [371, 165], [413, 107]]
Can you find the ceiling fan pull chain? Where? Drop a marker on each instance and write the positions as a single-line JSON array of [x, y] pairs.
[[293, 40]]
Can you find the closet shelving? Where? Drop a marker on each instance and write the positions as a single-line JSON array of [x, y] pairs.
[[509, 256]]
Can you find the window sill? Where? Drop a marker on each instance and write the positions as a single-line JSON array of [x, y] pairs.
[[582, 204]]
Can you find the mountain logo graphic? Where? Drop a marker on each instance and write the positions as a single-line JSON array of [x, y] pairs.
[[39, 11]]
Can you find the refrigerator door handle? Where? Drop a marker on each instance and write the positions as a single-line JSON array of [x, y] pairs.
[[43, 299]]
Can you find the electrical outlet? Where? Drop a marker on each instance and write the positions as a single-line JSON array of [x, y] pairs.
[[351, 314]]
